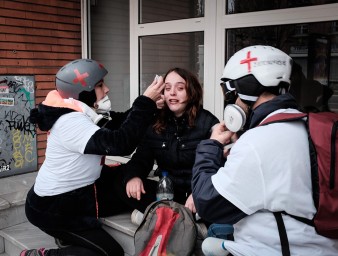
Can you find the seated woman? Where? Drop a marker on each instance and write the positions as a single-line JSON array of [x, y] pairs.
[[180, 125]]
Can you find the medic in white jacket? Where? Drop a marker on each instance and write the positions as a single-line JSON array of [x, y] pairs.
[[268, 167]]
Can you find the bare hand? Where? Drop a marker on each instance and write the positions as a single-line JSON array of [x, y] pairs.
[[160, 102], [226, 150], [221, 133], [154, 91], [190, 204], [134, 188]]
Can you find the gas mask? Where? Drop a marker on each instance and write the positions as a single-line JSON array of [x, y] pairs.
[[103, 106], [234, 117]]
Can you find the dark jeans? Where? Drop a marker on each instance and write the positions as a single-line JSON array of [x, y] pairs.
[[71, 217], [223, 231]]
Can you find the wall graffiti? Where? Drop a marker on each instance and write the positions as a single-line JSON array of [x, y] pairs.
[[18, 153]]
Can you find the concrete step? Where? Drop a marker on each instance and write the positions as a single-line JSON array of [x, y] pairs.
[[13, 191], [12, 216], [16, 238], [121, 228]]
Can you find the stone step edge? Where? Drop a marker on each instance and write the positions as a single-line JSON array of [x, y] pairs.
[[120, 222], [25, 235]]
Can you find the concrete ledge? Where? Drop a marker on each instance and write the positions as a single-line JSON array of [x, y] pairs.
[[121, 223], [25, 236]]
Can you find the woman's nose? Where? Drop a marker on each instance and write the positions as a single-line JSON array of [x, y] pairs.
[[172, 91], [105, 88]]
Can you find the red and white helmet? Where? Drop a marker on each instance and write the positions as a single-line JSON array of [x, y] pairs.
[[256, 69], [78, 76]]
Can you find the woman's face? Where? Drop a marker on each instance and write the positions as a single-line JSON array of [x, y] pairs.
[[175, 93], [101, 90]]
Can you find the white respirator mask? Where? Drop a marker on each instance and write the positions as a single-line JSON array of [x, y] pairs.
[[234, 117], [103, 106]]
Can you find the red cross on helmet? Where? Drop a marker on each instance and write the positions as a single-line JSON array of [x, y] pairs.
[[256, 69], [78, 76]]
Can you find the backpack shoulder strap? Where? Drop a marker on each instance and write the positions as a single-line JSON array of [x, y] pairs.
[[280, 117], [282, 234]]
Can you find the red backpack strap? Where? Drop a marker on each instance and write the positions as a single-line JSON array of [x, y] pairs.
[[280, 117]]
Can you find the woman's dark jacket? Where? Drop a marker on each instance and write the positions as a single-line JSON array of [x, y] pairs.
[[173, 150]]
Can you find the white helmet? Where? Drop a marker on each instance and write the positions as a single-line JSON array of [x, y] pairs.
[[256, 69]]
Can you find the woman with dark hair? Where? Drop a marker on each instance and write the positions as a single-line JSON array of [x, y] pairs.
[[180, 125]]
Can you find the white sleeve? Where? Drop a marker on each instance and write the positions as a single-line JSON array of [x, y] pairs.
[[240, 181], [74, 130]]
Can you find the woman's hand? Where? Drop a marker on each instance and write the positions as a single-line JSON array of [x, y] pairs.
[[160, 102], [190, 204], [134, 188], [155, 90]]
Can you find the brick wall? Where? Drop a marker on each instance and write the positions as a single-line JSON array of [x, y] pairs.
[[37, 37]]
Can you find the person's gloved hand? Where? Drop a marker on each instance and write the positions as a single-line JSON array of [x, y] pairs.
[[88, 111]]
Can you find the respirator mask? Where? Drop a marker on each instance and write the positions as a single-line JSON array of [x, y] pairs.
[[234, 116], [103, 106]]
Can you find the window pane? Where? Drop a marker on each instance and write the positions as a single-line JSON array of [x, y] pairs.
[[160, 53], [314, 49], [239, 6], [164, 10], [110, 34]]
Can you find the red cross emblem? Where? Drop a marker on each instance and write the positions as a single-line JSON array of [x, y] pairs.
[[80, 78], [248, 61]]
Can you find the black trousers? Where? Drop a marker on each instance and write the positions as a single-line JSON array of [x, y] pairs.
[[91, 242], [72, 217]]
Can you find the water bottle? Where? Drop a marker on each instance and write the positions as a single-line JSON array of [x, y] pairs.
[[165, 188]]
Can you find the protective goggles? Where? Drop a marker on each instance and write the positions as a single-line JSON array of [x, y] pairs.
[[229, 93]]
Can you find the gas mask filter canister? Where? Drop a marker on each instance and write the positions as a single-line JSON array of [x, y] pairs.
[[234, 117]]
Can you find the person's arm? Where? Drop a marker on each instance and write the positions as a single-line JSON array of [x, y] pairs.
[[136, 170], [124, 140], [115, 120], [210, 205], [140, 164]]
